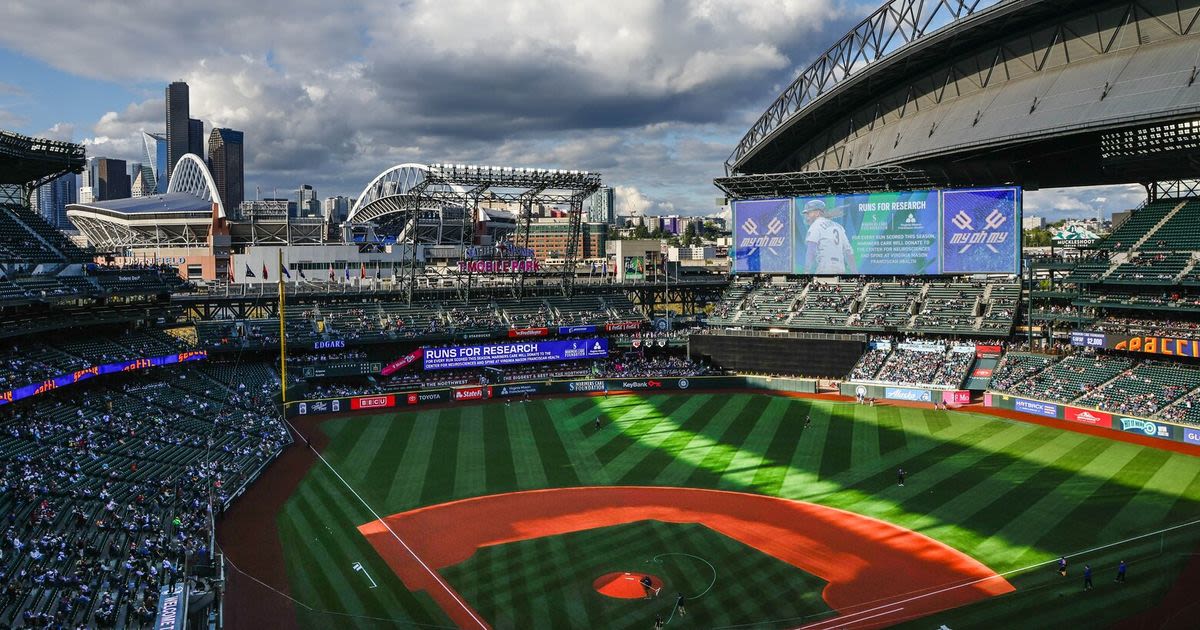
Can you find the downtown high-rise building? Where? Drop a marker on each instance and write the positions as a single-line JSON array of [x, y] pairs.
[[177, 124], [601, 207], [336, 209], [307, 204], [154, 156], [225, 160], [51, 199], [196, 137], [111, 180]]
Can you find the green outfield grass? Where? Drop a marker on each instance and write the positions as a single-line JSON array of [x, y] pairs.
[[1008, 493]]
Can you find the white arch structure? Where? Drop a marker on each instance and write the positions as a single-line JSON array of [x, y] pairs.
[[191, 175], [396, 181]]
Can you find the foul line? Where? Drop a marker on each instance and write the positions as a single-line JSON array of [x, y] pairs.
[[939, 591], [379, 518]]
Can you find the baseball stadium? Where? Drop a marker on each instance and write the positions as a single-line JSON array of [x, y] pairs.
[[465, 406]]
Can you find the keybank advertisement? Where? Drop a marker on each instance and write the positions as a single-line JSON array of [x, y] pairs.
[[980, 230], [925, 232], [517, 353], [762, 236], [876, 233]]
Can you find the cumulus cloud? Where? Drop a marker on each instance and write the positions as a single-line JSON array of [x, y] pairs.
[[1082, 203], [652, 93]]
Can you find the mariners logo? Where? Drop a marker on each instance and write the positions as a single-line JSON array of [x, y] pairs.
[[986, 235], [770, 240], [683, 383]]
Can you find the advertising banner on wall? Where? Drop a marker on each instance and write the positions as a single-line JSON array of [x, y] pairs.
[[71, 378], [635, 267], [1035, 407], [1146, 427], [956, 397], [872, 233], [401, 363], [762, 236], [907, 393], [981, 230], [373, 402], [1087, 416], [1191, 435], [1088, 339], [1152, 344], [514, 353]]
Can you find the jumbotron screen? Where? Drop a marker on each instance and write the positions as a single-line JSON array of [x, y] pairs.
[[911, 233]]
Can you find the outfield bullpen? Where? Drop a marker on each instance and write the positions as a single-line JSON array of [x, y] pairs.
[[998, 495]]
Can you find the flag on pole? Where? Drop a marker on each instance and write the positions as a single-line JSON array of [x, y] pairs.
[[331, 272], [231, 278], [362, 270], [302, 273], [347, 269], [285, 273], [265, 277], [249, 271], [377, 273]]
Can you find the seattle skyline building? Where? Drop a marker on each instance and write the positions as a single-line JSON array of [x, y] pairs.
[[226, 161], [601, 206], [51, 199], [111, 179], [178, 123], [196, 137], [154, 154]]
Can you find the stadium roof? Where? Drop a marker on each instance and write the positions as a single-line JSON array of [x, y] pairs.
[[166, 203], [25, 160]]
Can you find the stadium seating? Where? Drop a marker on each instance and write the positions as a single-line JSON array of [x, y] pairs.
[[1139, 223], [108, 487], [1144, 390]]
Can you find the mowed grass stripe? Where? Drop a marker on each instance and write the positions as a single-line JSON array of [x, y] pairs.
[[785, 441], [344, 514], [632, 424], [864, 445], [750, 457], [835, 456], [624, 411], [680, 427], [1184, 507], [470, 470], [800, 472], [404, 477], [892, 436], [356, 435], [726, 444], [1106, 499], [693, 443], [655, 428], [657, 452], [1024, 523], [555, 462], [527, 460], [437, 484], [984, 509], [501, 471]]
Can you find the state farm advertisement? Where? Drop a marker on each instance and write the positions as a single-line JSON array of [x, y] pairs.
[[401, 363], [468, 393], [373, 402], [1087, 416]]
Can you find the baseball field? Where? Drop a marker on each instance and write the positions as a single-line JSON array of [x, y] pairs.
[[527, 515]]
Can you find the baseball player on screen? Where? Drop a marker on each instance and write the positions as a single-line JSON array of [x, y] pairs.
[[827, 249]]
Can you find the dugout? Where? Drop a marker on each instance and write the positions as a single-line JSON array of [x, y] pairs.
[[815, 355]]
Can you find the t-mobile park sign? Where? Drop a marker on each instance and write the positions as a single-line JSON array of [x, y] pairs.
[[453, 357], [498, 266]]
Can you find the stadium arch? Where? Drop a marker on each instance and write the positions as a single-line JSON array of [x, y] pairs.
[[191, 176]]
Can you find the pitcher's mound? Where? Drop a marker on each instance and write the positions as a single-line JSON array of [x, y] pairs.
[[625, 585]]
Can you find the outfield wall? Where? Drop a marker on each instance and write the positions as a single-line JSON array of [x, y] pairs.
[[929, 395], [1095, 417], [401, 399]]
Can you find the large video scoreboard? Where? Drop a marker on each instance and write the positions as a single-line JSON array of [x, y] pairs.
[[925, 232]]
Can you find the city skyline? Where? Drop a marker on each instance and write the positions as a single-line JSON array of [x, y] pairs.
[[653, 95]]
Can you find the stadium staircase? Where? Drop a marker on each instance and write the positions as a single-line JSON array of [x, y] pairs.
[[1162, 222]]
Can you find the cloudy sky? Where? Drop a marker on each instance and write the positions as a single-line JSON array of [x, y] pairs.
[[652, 93]]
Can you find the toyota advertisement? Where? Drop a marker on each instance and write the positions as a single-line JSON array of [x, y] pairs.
[[923, 232], [516, 353]]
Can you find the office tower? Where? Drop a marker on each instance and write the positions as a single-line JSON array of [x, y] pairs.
[[53, 197], [225, 162], [154, 152], [196, 137], [306, 203], [336, 209], [177, 124], [111, 180], [601, 206]]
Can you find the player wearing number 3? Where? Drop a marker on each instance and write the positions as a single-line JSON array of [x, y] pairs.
[[828, 249]]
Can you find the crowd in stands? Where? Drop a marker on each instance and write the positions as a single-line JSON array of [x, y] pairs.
[[25, 361], [109, 488]]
